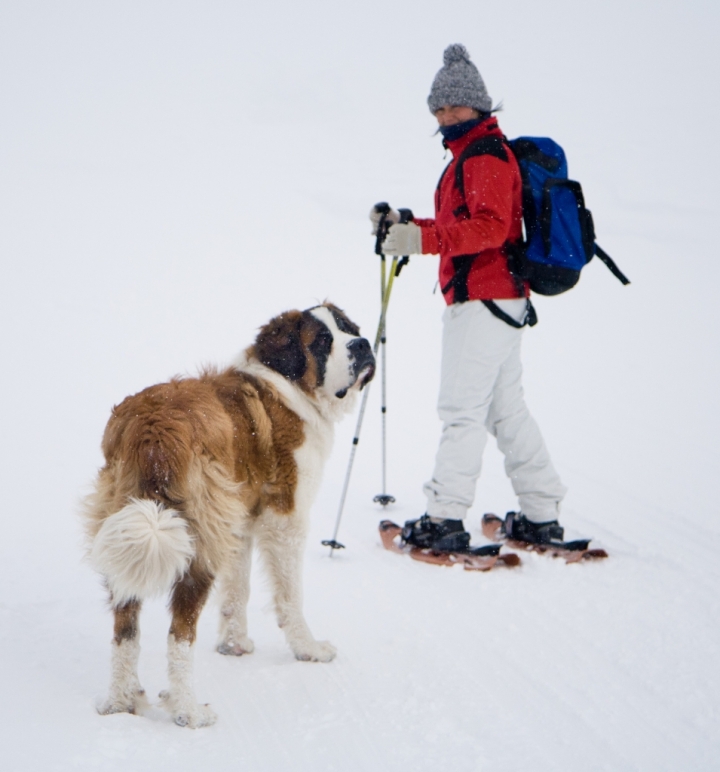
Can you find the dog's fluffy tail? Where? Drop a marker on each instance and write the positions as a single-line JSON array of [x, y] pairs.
[[142, 550]]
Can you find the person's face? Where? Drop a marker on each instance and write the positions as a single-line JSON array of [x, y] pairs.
[[449, 115]]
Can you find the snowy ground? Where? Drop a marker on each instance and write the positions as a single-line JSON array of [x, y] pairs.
[[174, 174]]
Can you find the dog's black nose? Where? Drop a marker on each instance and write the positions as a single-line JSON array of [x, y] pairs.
[[362, 355], [361, 351]]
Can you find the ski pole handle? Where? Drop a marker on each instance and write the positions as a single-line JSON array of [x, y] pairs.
[[406, 215], [382, 208]]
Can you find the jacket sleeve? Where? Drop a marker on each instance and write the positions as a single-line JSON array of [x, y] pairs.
[[488, 196], [430, 241]]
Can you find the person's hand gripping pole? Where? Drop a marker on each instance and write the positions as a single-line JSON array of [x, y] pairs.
[[404, 216]]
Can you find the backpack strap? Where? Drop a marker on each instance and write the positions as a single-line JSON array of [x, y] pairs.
[[496, 147], [493, 146], [459, 281], [530, 315], [610, 263]]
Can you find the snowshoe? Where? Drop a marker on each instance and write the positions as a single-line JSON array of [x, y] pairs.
[[443, 544], [545, 538]]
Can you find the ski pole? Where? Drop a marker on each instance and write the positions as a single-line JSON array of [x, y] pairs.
[[385, 498], [406, 215], [333, 543], [383, 208]]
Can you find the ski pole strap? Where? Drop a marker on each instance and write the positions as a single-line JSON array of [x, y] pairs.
[[530, 314], [610, 263]]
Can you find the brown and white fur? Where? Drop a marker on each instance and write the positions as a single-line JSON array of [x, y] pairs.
[[198, 472]]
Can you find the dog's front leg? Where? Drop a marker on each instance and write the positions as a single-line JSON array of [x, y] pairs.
[[234, 594], [281, 540], [126, 694], [188, 598]]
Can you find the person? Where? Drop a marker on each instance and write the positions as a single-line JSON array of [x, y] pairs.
[[476, 227]]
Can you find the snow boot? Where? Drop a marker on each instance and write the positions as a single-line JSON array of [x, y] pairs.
[[445, 536], [551, 533]]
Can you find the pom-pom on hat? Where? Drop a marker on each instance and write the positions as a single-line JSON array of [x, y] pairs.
[[458, 83]]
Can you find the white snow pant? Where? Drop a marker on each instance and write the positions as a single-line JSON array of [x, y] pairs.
[[481, 392]]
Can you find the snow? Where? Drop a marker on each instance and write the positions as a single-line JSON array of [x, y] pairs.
[[174, 174]]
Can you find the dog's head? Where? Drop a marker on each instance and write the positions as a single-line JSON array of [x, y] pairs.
[[320, 350]]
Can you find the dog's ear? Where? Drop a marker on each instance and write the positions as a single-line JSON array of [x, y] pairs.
[[279, 345]]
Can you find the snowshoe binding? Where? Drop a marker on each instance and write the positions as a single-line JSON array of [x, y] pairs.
[[444, 543], [545, 538]]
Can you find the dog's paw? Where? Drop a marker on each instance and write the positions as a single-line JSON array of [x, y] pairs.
[[191, 715], [236, 647], [135, 702], [315, 651], [195, 717]]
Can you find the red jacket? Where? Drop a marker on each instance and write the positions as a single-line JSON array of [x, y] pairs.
[[491, 217]]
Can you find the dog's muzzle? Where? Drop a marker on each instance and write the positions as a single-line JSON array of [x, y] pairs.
[[362, 363]]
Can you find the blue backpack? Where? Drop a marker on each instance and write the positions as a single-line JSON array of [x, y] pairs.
[[559, 231]]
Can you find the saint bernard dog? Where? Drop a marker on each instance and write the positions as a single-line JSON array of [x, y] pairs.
[[198, 472]]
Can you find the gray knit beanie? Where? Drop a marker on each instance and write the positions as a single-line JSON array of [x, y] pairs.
[[459, 83]]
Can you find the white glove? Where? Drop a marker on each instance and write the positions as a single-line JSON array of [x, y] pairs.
[[391, 217], [404, 238]]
